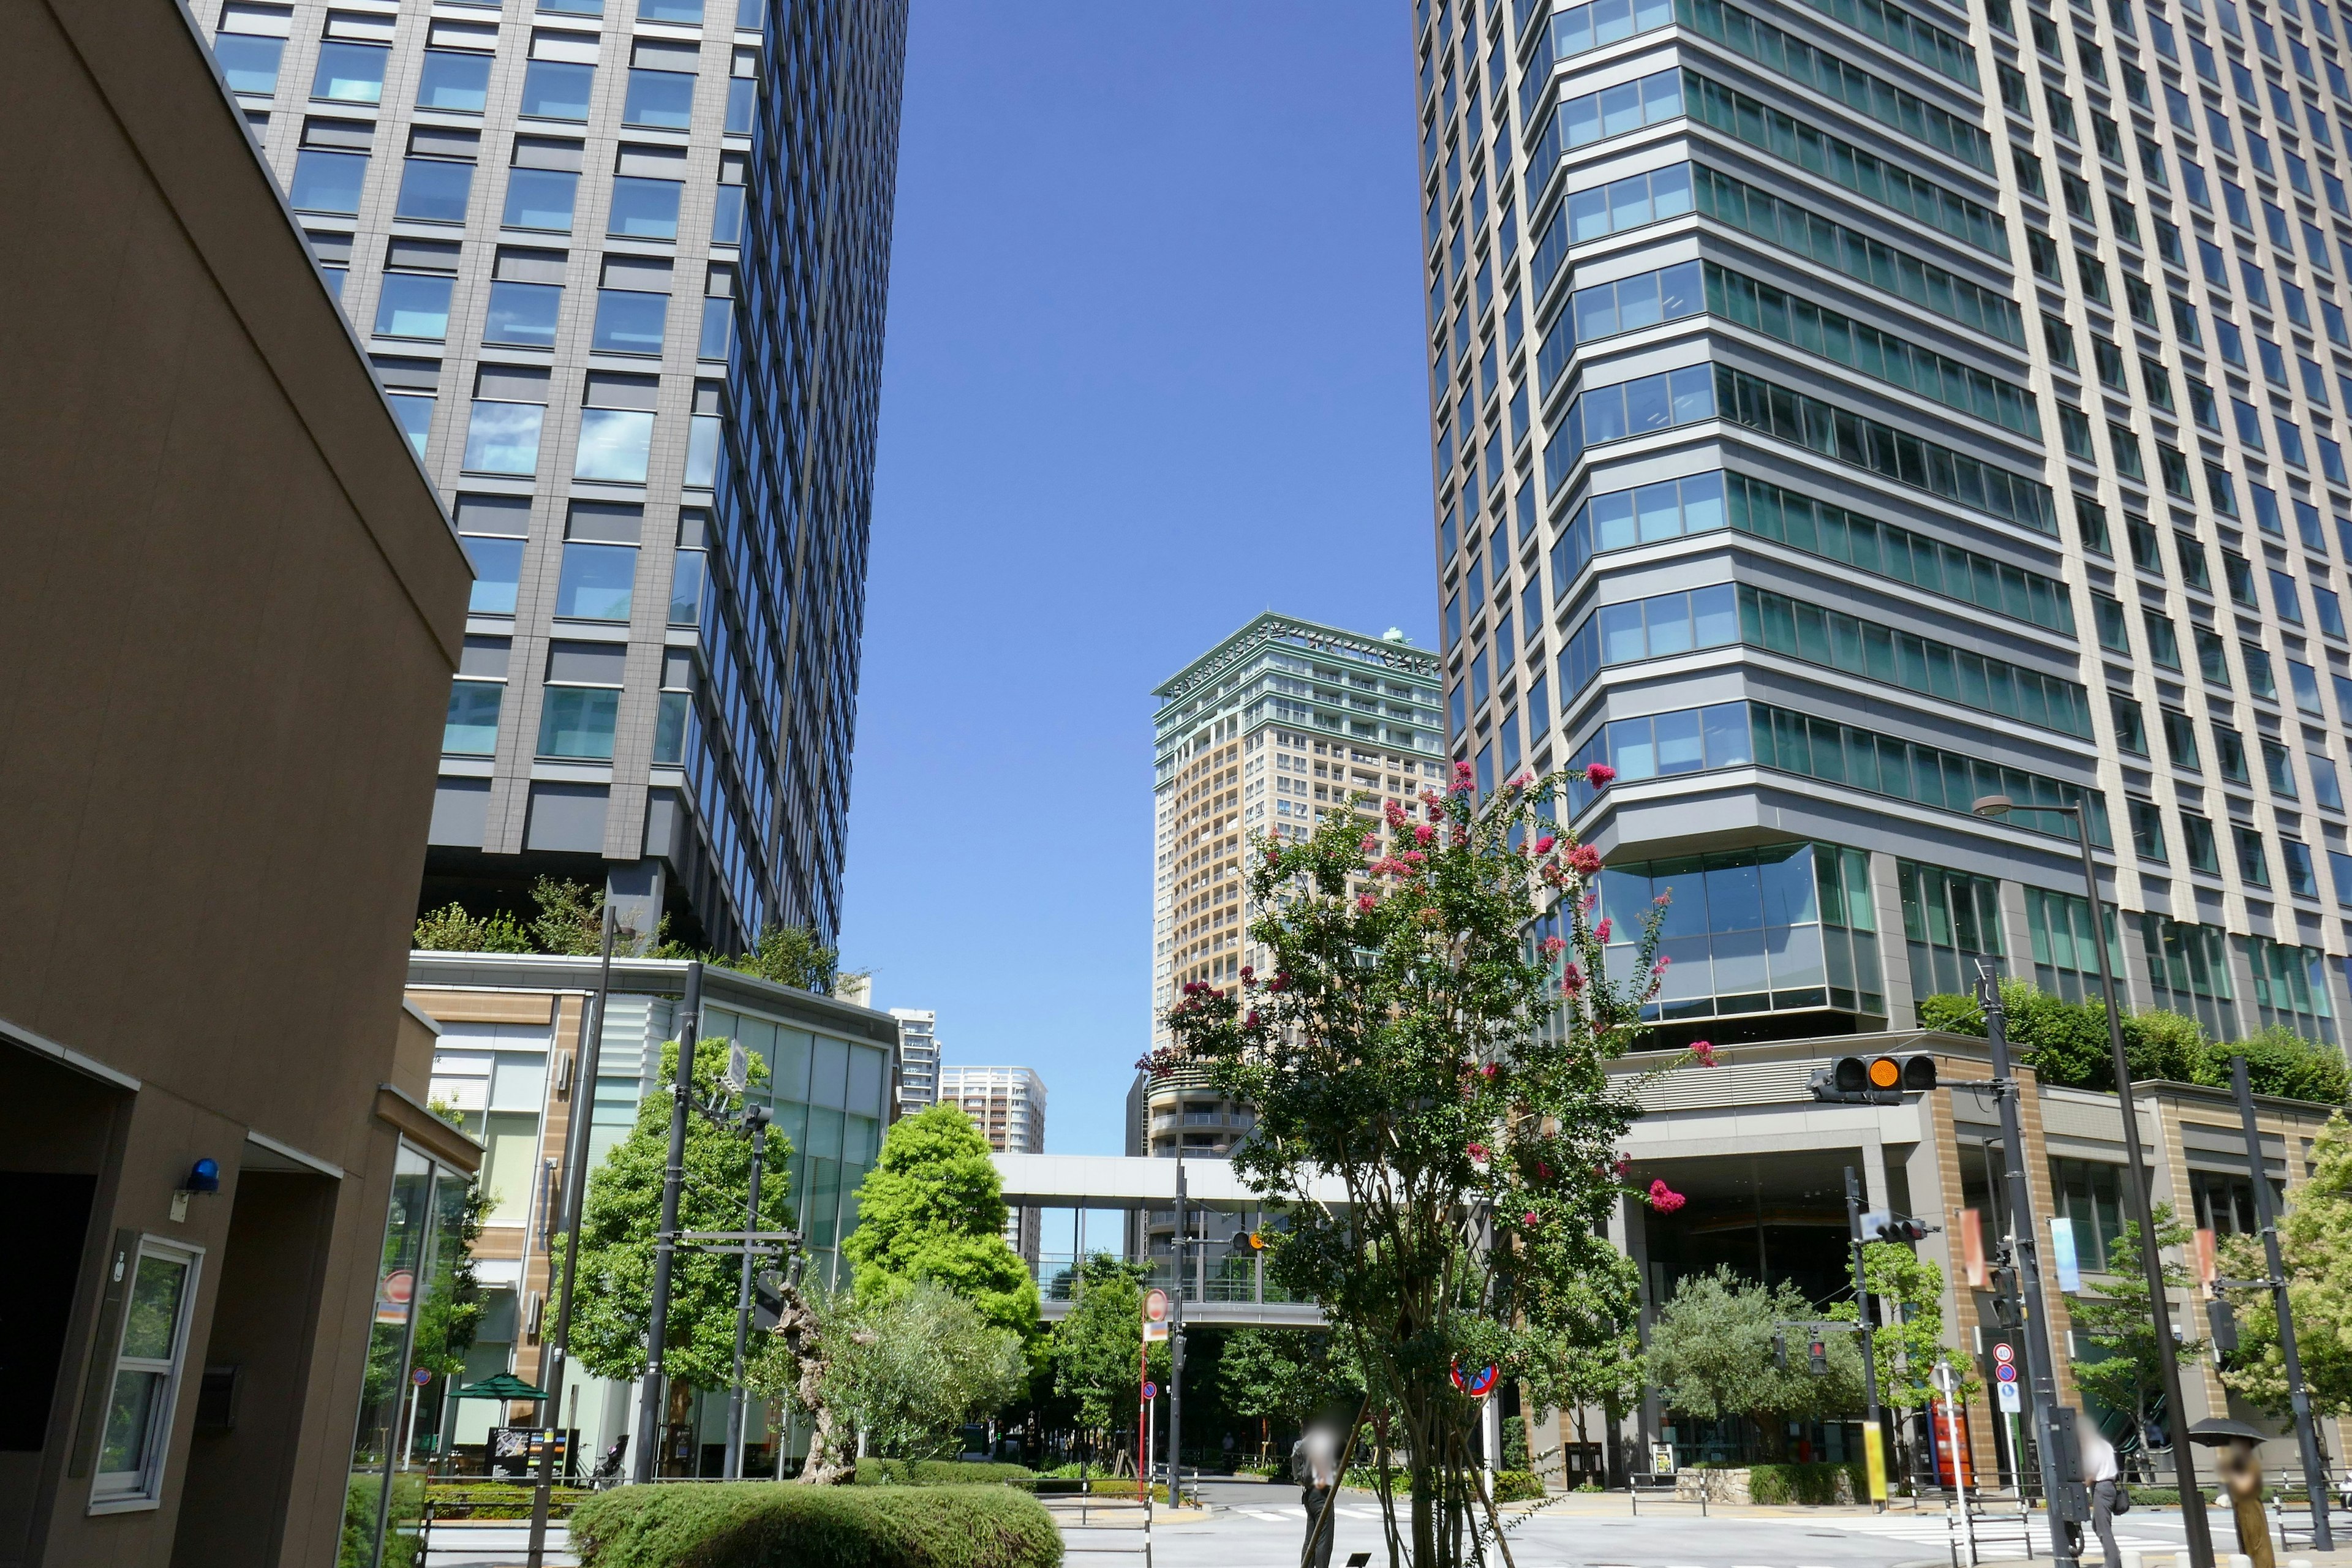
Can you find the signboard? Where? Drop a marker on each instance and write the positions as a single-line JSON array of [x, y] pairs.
[[2062, 1255], [1155, 1315], [2012, 1402], [738, 1076], [1662, 1458], [2205, 1269], [393, 1293], [1972, 1252]]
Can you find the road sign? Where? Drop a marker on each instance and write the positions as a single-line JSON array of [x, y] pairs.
[[1150, 1391], [421, 1376], [2011, 1402], [1155, 1315], [2003, 1354], [2006, 1372], [1476, 1385]]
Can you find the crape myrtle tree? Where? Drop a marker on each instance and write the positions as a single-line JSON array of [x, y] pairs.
[[1418, 1045], [2315, 1244]]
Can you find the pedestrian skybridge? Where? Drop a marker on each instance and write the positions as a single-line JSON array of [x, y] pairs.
[[1224, 1281]]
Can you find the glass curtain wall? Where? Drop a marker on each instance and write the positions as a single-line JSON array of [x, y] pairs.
[[384, 1503], [1951, 920]]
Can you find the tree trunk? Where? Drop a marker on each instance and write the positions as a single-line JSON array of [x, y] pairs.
[[828, 1463]]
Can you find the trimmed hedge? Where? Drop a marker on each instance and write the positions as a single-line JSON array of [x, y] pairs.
[[938, 1473], [498, 1500], [1517, 1486], [771, 1525], [1781, 1484]]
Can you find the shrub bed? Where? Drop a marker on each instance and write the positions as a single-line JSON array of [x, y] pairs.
[[496, 1499], [769, 1524], [938, 1473], [1776, 1484], [1517, 1486]]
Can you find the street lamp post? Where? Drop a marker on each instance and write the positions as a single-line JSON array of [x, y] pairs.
[[2184, 1466]]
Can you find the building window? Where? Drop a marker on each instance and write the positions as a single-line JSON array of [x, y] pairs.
[[562, 74], [1786, 927], [437, 178], [661, 85], [2064, 961], [510, 407], [632, 305], [350, 73], [582, 701], [248, 59], [686, 576], [616, 428], [1949, 919], [670, 719], [718, 311], [600, 562], [327, 180], [526, 298], [542, 185], [414, 414], [2189, 973], [158, 1298], [703, 437], [2290, 988], [2225, 1203], [726, 219], [452, 81], [743, 92], [492, 527], [2089, 1196], [472, 727], [647, 186]]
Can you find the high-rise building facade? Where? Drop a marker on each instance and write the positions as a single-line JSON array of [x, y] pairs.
[[1008, 1106], [620, 268], [919, 1061], [1269, 732], [1846, 409]]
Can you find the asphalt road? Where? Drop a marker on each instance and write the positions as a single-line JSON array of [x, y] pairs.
[[1254, 1526]]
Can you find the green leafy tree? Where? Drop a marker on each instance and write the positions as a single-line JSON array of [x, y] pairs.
[[1095, 1350], [790, 955], [452, 1311], [933, 1208], [1907, 1297], [908, 1369], [612, 1298], [1281, 1378], [1448, 1071], [2316, 1241], [1597, 1360], [1711, 1356], [450, 929], [571, 918], [2129, 1379]]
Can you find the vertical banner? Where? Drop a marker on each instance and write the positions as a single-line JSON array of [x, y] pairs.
[[2061, 1255], [1972, 1256], [1873, 1458], [2205, 1268]]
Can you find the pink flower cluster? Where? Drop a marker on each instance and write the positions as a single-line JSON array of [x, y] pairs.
[[1584, 860], [1464, 779], [1553, 946], [1702, 1053], [1664, 1199], [1599, 775]]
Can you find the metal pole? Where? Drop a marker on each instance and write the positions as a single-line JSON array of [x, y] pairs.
[[1176, 1350], [2040, 1369], [1870, 1430], [574, 1198], [649, 1407], [2314, 1478], [2184, 1464], [757, 1119]]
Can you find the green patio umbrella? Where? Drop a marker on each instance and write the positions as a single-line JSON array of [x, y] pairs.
[[505, 1385]]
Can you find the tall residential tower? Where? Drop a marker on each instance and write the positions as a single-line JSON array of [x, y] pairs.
[[1844, 409], [540, 222], [1267, 733]]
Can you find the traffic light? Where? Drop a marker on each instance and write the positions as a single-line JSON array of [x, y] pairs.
[[1895, 1228], [766, 1299], [1248, 1243], [1874, 1081], [1780, 1351], [1817, 1360], [2224, 1320]]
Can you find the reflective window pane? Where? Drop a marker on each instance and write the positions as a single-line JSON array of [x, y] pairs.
[[328, 181], [629, 322], [503, 438], [472, 728], [250, 64], [615, 444], [664, 100], [597, 581], [350, 73], [524, 314], [414, 305], [458, 83], [642, 209], [557, 90], [577, 722], [538, 198], [433, 190], [498, 569]]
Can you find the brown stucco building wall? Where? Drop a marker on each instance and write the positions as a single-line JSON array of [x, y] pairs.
[[230, 609]]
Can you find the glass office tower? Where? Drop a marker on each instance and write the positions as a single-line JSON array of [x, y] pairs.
[[1843, 409], [620, 266]]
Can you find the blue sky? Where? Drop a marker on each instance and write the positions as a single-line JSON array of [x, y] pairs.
[[1154, 365]]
